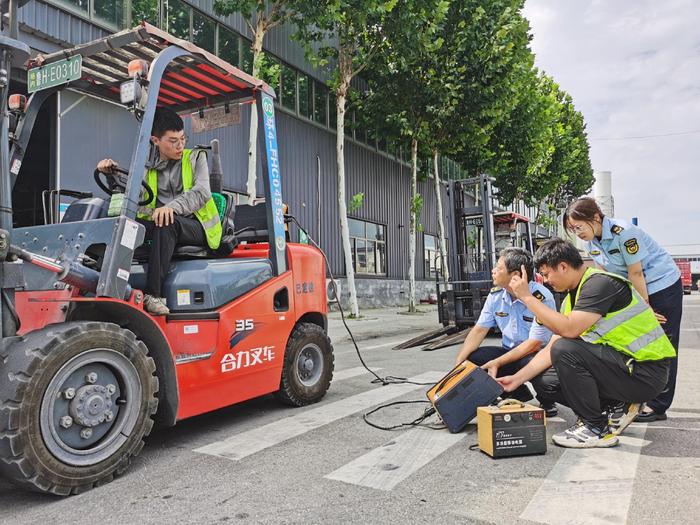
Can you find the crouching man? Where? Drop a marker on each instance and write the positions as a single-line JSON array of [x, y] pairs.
[[522, 333], [608, 346]]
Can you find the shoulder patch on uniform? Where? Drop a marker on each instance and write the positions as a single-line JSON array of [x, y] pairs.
[[595, 252], [496, 289], [502, 314], [632, 246], [617, 229], [538, 321], [539, 295]]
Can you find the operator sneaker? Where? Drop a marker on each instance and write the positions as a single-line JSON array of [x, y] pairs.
[[621, 415], [580, 435], [155, 305]]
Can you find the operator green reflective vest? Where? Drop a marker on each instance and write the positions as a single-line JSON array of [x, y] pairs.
[[207, 215], [634, 330]]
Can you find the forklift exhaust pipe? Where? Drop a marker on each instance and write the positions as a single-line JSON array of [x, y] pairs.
[[72, 273]]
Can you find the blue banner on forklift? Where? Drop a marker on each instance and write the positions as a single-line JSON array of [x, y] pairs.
[[273, 173]]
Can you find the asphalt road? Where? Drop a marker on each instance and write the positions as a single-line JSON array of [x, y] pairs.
[[259, 462]]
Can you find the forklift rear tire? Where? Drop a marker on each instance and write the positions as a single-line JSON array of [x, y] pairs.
[[308, 366], [76, 401]]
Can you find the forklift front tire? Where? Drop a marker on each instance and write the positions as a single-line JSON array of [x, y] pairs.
[[76, 401], [308, 366]]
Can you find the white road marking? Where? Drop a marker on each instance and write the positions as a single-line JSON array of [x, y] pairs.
[[386, 466], [590, 486], [244, 444], [351, 372]]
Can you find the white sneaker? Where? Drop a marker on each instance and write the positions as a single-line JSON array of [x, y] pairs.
[[580, 435], [621, 415], [155, 305]]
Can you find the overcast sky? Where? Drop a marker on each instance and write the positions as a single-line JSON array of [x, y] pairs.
[[633, 70]]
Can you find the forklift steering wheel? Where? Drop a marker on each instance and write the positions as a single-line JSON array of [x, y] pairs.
[[115, 182]]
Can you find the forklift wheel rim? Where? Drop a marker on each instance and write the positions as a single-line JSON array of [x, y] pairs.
[[309, 364], [117, 431]]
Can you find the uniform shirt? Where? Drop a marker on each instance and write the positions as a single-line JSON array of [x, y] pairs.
[[622, 245], [513, 319]]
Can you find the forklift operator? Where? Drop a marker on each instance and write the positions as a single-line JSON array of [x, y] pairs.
[[610, 349], [522, 333], [182, 211]]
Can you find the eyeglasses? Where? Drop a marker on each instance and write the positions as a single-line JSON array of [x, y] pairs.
[[577, 228], [175, 141]]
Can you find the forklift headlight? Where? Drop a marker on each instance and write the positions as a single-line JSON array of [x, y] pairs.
[[129, 91], [17, 103]]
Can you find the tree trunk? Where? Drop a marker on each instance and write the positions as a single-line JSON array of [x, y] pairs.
[[412, 229], [253, 132], [345, 68], [441, 223]]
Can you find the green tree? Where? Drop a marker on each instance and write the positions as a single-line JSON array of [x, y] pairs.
[[345, 34], [260, 16]]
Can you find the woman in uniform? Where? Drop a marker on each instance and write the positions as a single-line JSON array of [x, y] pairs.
[[625, 249]]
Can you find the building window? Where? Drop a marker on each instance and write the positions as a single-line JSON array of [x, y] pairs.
[[144, 11], [203, 32], [332, 113], [430, 251], [178, 19], [228, 46], [246, 56], [305, 95], [110, 11], [368, 244], [320, 103], [289, 88]]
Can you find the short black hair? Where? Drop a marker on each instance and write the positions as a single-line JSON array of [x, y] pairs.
[[515, 259], [166, 120], [556, 251]]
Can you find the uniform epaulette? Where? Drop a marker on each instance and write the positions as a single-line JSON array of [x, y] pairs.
[[496, 289], [617, 229], [539, 295]]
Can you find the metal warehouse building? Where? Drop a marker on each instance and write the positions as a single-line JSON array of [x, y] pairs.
[[74, 132]]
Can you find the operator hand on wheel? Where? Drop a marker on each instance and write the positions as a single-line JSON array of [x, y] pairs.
[[491, 368], [163, 216], [519, 284], [106, 165]]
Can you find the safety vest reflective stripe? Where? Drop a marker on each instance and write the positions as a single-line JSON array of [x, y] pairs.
[[646, 339], [207, 215], [633, 331], [605, 325]]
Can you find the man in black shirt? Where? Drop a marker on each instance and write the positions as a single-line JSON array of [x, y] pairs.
[[608, 347]]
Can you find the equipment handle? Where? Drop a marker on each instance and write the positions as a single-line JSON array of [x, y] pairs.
[[510, 402]]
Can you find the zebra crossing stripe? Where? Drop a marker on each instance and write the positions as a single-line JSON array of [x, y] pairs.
[[351, 372], [247, 443], [599, 481], [386, 466]]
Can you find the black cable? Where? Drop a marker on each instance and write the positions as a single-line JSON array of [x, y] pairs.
[[387, 380], [416, 422]]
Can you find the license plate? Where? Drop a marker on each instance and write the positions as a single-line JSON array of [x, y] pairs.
[[54, 74]]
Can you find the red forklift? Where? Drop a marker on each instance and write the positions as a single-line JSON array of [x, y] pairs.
[[85, 371]]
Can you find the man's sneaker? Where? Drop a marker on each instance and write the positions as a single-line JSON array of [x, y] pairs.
[[550, 408], [580, 435], [621, 415], [155, 305]]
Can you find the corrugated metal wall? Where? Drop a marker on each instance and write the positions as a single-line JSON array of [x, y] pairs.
[[93, 130]]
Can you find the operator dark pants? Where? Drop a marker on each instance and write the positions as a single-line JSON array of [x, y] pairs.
[[669, 303], [484, 354], [164, 239], [586, 377]]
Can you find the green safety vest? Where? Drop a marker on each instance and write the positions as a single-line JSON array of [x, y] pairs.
[[634, 330], [207, 215]]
